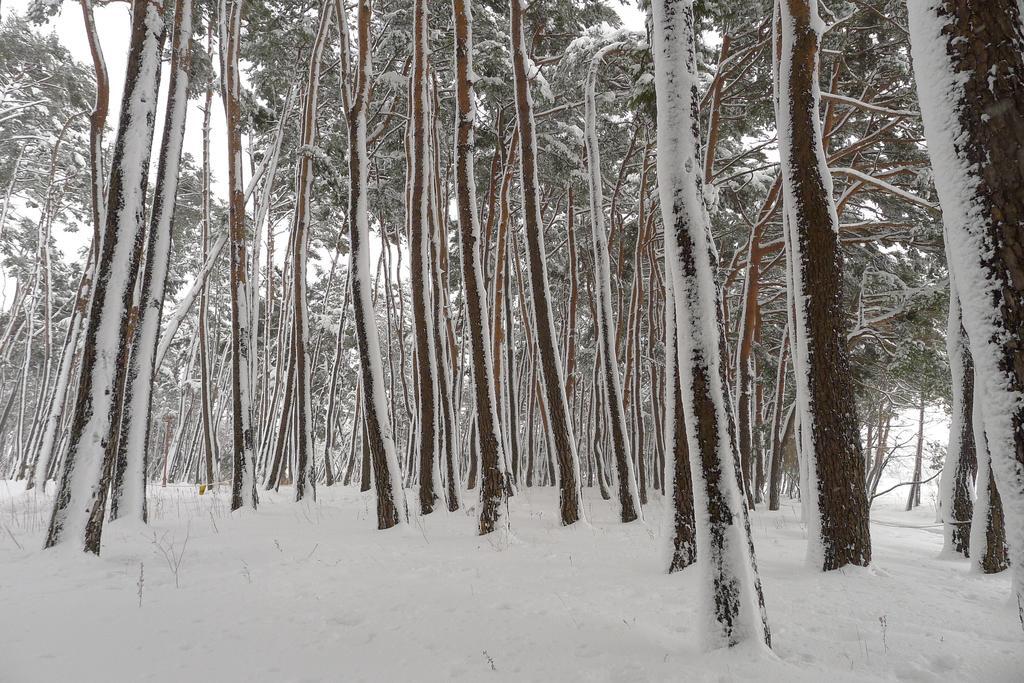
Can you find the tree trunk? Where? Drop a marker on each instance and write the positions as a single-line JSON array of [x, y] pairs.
[[556, 405], [684, 525], [428, 420], [961, 466], [81, 498], [305, 470], [129, 488], [732, 602], [391, 508], [969, 56], [914, 496], [243, 481], [837, 503], [614, 411], [486, 428]]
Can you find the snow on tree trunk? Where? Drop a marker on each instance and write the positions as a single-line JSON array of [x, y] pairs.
[[677, 472], [427, 433], [243, 480], [988, 525], [205, 390], [304, 468], [968, 60], [732, 603], [956, 504], [614, 414], [129, 490], [391, 507], [80, 503], [837, 520], [555, 405], [493, 503]]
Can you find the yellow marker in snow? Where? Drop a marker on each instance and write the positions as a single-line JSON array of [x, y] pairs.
[[202, 489]]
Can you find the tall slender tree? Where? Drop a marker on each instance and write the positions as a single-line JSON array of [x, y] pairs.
[[129, 490], [555, 404], [304, 470], [614, 413], [243, 480], [486, 429], [428, 405], [378, 442]]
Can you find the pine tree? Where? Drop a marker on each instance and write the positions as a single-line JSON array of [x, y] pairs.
[[837, 503], [972, 104]]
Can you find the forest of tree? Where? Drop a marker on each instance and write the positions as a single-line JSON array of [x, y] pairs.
[[455, 252]]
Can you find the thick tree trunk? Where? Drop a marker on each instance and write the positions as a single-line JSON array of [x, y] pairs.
[[988, 526], [969, 57], [81, 498], [838, 532], [732, 602], [684, 525]]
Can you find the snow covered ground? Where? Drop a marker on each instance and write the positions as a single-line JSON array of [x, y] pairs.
[[311, 592]]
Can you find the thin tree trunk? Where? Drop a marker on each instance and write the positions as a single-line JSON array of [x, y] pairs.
[[556, 404], [486, 429], [304, 466], [380, 446], [243, 481]]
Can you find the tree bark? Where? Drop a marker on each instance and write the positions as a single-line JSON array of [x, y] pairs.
[[969, 57], [556, 405], [81, 497], [830, 434], [733, 601], [391, 508]]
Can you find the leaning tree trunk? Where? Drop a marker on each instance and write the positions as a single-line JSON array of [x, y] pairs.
[[956, 495], [81, 497], [969, 57], [837, 502], [732, 599], [555, 404], [243, 480], [129, 490], [304, 468], [614, 413], [391, 508], [493, 502]]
